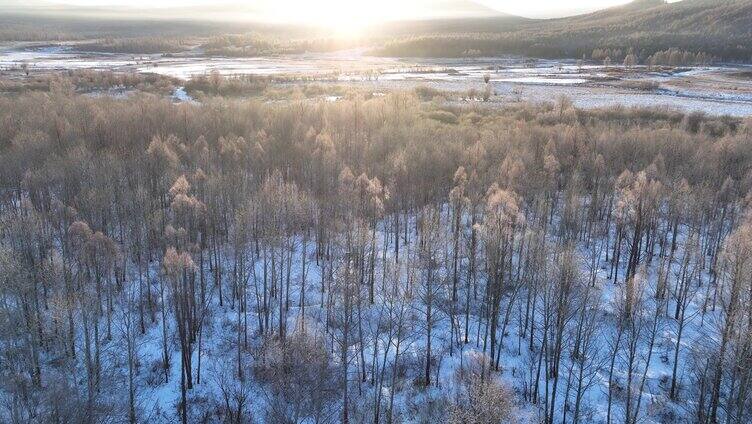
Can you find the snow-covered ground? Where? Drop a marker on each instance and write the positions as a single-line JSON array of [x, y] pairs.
[[158, 399]]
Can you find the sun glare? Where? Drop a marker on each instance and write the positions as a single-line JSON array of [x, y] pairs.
[[346, 18]]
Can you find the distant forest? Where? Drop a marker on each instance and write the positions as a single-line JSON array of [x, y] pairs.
[[571, 46], [719, 29]]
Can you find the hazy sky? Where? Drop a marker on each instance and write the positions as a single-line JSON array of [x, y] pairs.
[[372, 9]]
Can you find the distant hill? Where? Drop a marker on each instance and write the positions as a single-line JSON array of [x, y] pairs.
[[688, 30], [229, 10], [656, 16], [722, 28], [37, 20]]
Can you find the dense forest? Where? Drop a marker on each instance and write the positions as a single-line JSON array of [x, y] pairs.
[[375, 260]]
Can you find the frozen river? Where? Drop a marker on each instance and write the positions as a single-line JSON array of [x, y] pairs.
[[713, 90]]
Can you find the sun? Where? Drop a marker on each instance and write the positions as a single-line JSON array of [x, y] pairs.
[[346, 18]]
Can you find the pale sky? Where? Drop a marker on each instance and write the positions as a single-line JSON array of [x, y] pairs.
[[358, 12], [371, 10]]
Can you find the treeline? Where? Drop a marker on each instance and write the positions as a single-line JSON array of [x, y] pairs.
[[240, 85], [676, 57], [140, 45], [269, 87], [670, 57], [252, 45], [87, 81], [694, 50], [361, 261]]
